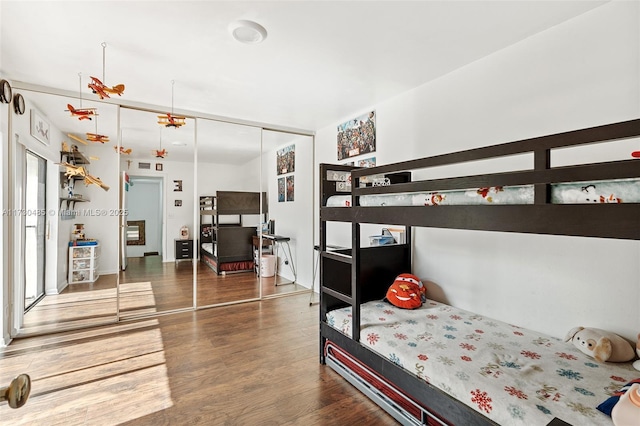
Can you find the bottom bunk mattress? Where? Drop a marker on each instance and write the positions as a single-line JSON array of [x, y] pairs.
[[509, 374]]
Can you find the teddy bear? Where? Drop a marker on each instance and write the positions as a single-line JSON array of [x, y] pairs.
[[602, 345]]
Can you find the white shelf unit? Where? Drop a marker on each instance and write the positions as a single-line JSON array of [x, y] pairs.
[[83, 264]]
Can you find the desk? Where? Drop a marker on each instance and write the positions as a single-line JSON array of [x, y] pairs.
[[278, 240]]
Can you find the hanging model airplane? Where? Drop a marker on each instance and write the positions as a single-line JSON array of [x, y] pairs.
[[73, 170], [104, 91], [122, 150], [94, 137], [160, 153], [170, 120], [81, 113]]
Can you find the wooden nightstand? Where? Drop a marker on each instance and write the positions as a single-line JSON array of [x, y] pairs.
[[184, 250]]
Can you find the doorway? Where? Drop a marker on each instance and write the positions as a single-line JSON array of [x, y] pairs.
[[34, 229], [145, 207]]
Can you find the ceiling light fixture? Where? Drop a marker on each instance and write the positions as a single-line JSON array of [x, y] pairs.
[[247, 32]]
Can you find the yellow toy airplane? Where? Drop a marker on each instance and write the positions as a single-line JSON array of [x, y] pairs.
[[73, 170], [94, 137], [88, 179], [122, 150]]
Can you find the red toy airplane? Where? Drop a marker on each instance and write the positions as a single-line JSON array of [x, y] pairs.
[[81, 113], [103, 91], [170, 120], [160, 153]]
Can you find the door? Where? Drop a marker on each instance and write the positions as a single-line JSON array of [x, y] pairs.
[[34, 229]]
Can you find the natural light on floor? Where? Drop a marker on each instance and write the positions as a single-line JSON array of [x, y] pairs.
[[123, 377]]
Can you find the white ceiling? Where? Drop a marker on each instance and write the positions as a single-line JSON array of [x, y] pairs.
[[322, 61]]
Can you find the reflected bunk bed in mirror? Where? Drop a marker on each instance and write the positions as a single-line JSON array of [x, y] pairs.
[[226, 243], [497, 373]]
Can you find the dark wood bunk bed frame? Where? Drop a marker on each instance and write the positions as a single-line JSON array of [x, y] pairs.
[[354, 276], [233, 240]]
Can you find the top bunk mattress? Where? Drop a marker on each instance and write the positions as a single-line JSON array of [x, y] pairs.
[[511, 375], [608, 191]]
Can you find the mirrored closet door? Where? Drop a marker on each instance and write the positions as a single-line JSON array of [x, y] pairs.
[[231, 209], [70, 220], [157, 238]]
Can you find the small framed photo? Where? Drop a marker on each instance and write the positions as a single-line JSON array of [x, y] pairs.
[[159, 167], [40, 127], [178, 203]]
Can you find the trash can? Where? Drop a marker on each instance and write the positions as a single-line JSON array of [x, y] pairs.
[[268, 265]]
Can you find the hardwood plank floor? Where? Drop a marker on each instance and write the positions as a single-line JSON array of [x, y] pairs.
[[148, 286], [249, 364]]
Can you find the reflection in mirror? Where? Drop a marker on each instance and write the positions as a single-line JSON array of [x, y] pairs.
[[229, 212], [135, 233], [287, 167], [66, 267], [157, 193]]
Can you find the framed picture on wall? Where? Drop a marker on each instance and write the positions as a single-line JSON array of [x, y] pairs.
[[286, 160], [290, 188], [159, 167], [281, 188], [40, 127], [357, 136]]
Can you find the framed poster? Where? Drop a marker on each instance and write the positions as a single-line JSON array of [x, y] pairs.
[[290, 188], [281, 187], [286, 160], [357, 136]]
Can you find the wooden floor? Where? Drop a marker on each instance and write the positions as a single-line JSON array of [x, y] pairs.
[[148, 286], [249, 364]]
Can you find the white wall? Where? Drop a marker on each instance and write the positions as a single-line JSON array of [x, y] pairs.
[[293, 219], [581, 73]]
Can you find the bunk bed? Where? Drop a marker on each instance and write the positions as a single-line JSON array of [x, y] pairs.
[[225, 240], [416, 373]]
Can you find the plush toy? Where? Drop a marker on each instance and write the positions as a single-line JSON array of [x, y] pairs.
[[407, 292], [636, 364], [602, 345]]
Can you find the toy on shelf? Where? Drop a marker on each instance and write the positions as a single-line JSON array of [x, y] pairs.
[[602, 345], [77, 234]]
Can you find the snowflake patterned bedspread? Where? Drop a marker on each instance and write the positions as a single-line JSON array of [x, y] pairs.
[[512, 375]]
